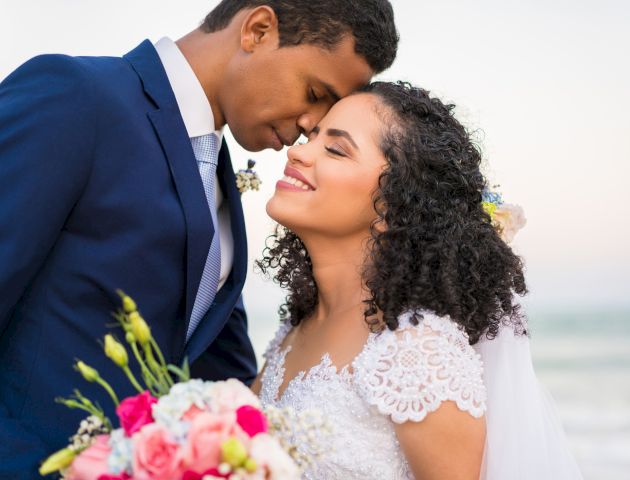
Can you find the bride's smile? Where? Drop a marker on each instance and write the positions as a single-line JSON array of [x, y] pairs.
[[294, 180]]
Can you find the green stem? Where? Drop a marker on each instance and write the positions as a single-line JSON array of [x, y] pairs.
[[133, 380], [70, 403], [149, 378], [159, 352], [161, 370], [108, 389]]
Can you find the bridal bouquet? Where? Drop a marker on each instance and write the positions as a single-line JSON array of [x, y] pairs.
[[175, 427]]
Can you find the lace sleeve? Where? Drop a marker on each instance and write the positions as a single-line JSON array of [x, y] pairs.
[[282, 331], [409, 372]]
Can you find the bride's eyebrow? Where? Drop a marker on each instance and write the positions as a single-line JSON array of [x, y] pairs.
[[334, 132]]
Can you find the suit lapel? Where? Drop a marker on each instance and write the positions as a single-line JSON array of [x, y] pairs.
[[171, 131]]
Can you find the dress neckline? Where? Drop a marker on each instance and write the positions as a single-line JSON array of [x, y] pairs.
[[325, 364]]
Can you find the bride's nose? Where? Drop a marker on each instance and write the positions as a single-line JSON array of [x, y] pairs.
[[299, 153]]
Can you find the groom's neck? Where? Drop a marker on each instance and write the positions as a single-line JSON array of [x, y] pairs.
[[208, 55]]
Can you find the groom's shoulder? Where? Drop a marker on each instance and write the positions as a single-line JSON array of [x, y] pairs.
[[69, 71], [96, 85], [53, 73]]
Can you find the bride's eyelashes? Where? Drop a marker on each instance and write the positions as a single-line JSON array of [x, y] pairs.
[[335, 150]]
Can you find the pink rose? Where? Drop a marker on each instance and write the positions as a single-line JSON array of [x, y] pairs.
[[156, 456], [251, 420], [122, 476], [207, 432], [91, 462], [135, 412], [190, 475]]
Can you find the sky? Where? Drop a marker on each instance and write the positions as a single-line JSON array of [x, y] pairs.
[[546, 84]]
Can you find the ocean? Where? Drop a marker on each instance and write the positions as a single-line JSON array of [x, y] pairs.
[[583, 359]]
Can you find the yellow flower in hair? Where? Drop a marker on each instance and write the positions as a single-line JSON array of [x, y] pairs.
[[490, 208]]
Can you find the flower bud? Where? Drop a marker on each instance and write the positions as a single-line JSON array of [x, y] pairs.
[[57, 461], [140, 329], [233, 452], [115, 351], [130, 338], [89, 373], [128, 304], [250, 465]]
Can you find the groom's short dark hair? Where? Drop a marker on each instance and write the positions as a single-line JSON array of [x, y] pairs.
[[324, 23]]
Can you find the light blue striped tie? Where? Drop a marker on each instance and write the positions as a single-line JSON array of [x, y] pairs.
[[206, 149]]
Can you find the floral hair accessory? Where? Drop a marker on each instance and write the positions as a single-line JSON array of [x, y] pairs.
[[507, 218], [248, 179]]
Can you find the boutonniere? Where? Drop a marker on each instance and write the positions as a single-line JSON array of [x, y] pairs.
[[248, 179]]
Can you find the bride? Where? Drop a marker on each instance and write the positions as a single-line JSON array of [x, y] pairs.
[[401, 324]]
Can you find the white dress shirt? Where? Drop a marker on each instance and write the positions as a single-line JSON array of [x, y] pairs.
[[199, 120]]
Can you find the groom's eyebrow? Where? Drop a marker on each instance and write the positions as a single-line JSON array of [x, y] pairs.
[[335, 132]]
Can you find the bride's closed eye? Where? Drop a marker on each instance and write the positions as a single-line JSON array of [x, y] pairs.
[[336, 149]]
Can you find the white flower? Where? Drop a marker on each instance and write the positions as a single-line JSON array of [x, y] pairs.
[[119, 459], [509, 219], [229, 395], [170, 408], [267, 452]]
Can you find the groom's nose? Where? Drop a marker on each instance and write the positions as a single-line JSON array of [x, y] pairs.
[[309, 119]]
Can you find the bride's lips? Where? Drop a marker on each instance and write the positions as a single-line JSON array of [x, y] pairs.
[[295, 173]]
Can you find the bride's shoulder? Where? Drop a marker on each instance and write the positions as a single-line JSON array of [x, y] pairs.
[[408, 372], [274, 345]]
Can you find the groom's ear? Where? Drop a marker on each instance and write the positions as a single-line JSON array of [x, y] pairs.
[[259, 27]]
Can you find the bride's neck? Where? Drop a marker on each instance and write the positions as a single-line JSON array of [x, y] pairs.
[[337, 268]]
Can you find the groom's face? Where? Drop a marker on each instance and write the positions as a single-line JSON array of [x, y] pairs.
[[274, 94]]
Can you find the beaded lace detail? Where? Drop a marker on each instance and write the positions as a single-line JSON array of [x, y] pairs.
[[398, 376], [410, 372]]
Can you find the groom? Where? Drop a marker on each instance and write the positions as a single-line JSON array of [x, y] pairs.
[[114, 174]]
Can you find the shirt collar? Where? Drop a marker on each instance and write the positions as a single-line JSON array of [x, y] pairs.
[[191, 99]]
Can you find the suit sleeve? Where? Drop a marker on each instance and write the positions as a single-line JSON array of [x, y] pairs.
[[231, 355], [44, 163], [45, 157]]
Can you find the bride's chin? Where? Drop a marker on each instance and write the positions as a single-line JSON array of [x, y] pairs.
[[279, 214]]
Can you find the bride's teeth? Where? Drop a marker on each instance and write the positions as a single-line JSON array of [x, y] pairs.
[[295, 182]]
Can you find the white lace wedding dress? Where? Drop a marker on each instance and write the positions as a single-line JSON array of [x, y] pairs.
[[403, 376]]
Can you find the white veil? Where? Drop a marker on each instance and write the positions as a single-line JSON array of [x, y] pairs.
[[524, 440]]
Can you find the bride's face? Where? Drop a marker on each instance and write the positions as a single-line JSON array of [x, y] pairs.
[[330, 181]]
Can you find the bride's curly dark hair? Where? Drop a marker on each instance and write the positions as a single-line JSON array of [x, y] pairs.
[[432, 246]]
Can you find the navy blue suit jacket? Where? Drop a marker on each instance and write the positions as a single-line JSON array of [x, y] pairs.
[[99, 190]]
